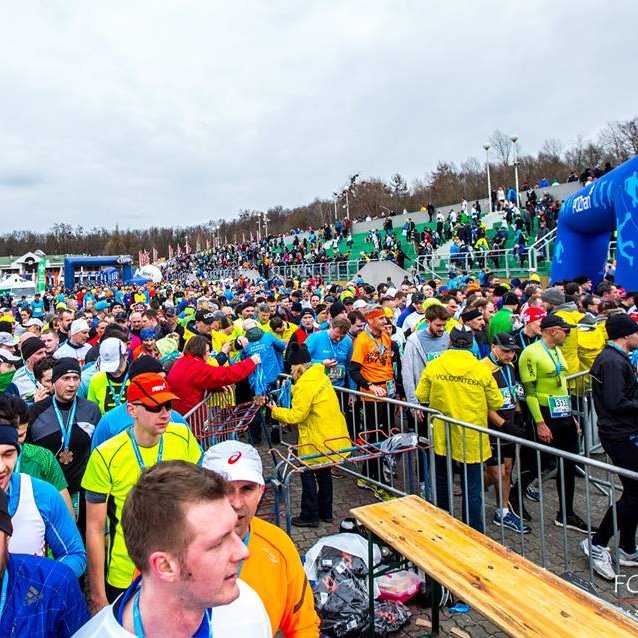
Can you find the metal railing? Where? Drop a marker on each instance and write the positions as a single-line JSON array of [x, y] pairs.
[[420, 470]]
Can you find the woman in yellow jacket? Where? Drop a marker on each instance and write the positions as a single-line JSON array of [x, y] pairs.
[[322, 428]]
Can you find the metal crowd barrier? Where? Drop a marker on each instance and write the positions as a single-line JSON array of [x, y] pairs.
[[597, 483]]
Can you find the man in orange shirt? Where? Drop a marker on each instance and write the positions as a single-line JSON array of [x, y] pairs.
[[372, 370], [273, 569]]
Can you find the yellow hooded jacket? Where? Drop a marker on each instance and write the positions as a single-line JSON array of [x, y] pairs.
[[461, 387], [315, 410]]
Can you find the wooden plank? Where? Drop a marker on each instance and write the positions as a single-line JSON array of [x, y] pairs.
[[518, 596]]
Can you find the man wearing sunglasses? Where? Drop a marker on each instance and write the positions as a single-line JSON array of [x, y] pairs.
[[113, 469], [543, 371]]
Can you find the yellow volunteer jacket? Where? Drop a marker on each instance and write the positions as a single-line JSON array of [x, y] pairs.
[[461, 387], [315, 410], [591, 344], [570, 346]]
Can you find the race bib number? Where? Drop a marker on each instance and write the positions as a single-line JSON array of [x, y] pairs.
[[520, 391], [391, 388], [508, 401], [337, 373], [560, 407], [431, 356]]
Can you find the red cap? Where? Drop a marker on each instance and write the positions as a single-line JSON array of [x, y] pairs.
[[533, 313], [149, 389]]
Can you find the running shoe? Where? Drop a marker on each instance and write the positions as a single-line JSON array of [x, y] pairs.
[[600, 559], [626, 559], [533, 494], [511, 521], [573, 521]]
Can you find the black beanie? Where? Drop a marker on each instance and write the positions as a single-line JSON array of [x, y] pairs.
[[298, 354], [9, 435], [31, 346], [144, 364], [620, 326], [65, 365]]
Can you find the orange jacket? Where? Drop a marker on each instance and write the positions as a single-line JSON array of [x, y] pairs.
[[275, 572]]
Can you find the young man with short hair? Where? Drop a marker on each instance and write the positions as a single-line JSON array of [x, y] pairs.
[[113, 469], [180, 531]]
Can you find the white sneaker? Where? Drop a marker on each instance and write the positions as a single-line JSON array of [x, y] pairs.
[[626, 559], [600, 559]]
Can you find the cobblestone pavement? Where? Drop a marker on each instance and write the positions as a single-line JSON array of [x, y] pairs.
[[347, 496]]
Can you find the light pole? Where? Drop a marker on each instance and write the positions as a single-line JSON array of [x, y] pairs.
[[514, 139], [486, 146], [347, 206], [266, 224]]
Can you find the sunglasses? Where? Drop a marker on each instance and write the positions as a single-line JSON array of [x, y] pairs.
[[156, 409]]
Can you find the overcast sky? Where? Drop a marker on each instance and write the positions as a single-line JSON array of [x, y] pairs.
[[175, 112]]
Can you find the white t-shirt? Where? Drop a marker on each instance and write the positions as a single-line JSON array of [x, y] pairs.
[[411, 320], [245, 617]]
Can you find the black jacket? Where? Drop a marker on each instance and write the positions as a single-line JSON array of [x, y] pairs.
[[615, 392]]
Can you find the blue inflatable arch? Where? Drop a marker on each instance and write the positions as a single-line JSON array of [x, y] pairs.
[[122, 262], [585, 223]]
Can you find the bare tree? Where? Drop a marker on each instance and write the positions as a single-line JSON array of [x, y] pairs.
[[502, 145]]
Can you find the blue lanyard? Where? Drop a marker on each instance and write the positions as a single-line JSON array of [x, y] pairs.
[[68, 426], [507, 377], [30, 375], [138, 455], [615, 347], [245, 540], [137, 618], [555, 361], [118, 399], [379, 345], [5, 587]]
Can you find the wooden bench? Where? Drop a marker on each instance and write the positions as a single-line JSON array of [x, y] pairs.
[[519, 597]]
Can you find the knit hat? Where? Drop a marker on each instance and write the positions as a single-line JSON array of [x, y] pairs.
[[308, 311], [144, 364], [5, 520], [9, 435], [533, 313], [79, 325], [298, 354], [147, 333], [65, 365], [620, 326], [510, 299], [31, 346], [555, 296], [336, 309]]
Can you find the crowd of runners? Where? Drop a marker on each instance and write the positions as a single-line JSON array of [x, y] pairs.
[[114, 521]]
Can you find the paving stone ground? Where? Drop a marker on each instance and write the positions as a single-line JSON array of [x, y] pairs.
[[347, 496]]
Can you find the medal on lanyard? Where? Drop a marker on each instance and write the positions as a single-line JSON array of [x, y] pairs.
[[138, 454], [380, 346], [65, 456], [117, 399], [556, 362]]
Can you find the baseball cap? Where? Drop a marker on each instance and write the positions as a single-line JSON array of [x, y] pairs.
[[505, 341], [235, 461], [121, 316], [149, 389], [461, 337], [7, 339], [8, 357], [111, 352], [418, 297], [170, 311], [249, 324], [102, 305], [554, 321], [79, 325], [533, 313], [207, 316], [33, 322], [359, 303]]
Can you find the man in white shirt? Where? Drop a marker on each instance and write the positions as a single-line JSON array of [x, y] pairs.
[[179, 529], [76, 345]]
